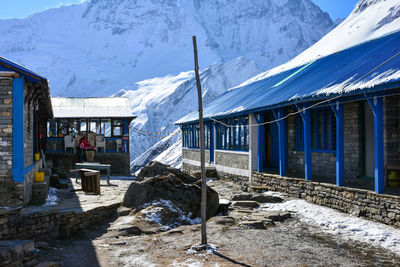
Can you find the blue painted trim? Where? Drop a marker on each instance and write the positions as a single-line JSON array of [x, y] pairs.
[[54, 139], [307, 143], [261, 145], [211, 142], [279, 114], [18, 131], [377, 108], [28, 169], [339, 114]]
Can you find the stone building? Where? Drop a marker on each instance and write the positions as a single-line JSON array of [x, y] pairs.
[[334, 119], [25, 107], [103, 119]]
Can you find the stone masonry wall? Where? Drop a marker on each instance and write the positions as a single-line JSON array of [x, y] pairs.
[[28, 149], [232, 160], [6, 181], [15, 224], [359, 202], [324, 164], [392, 129]]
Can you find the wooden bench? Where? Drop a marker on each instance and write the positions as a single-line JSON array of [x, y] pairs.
[[96, 166], [90, 180]]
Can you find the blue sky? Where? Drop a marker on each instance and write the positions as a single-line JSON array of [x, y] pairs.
[[22, 8]]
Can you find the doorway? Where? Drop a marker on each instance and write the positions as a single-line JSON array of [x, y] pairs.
[[369, 141]]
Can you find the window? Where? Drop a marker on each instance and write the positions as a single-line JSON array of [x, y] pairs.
[[323, 131], [191, 135], [234, 137], [117, 127]]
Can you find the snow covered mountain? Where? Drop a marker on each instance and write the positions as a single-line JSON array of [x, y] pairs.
[[100, 46], [369, 19], [159, 102]]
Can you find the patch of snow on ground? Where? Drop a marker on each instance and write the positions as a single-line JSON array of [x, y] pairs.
[[347, 226], [155, 212], [188, 263], [51, 197], [209, 248]]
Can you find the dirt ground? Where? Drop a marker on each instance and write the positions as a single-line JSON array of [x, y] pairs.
[[288, 243]]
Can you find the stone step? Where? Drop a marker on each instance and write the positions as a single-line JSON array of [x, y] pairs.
[[259, 187], [245, 203], [16, 252]]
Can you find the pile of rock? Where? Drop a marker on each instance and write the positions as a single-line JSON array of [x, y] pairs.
[[161, 191], [242, 210]]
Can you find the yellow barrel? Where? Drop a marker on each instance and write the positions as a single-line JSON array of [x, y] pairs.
[[37, 156], [394, 179], [39, 177]]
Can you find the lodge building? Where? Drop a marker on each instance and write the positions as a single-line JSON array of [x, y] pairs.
[[334, 120], [36, 129]]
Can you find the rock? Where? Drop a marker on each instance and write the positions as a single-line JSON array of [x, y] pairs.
[[123, 211], [42, 245], [246, 196], [267, 199], [245, 203], [253, 224], [182, 189], [224, 205], [224, 220], [47, 264], [153, 169], [276, 216]]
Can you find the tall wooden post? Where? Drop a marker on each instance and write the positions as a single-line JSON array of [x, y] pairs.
[[202, 156]]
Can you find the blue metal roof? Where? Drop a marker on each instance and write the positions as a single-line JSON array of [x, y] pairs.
[[8, 65], [363, 68]]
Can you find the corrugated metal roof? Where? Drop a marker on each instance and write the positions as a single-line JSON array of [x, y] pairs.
[[31, 76], [91, 107], [362, 68]]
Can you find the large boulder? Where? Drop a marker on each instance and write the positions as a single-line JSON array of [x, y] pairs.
[[182, 189], [154, 168]]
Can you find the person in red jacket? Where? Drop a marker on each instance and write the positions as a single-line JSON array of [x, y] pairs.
[[83, 146]]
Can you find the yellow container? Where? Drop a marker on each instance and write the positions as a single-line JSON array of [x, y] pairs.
[[39, 177], [37, 156], [394, 179]]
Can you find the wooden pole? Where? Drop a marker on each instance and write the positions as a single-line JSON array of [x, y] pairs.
[[202, 156]]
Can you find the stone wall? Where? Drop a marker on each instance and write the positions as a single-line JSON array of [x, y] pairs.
[[237, 160], [324, 164], [392, 129], [6, 126], [17, 224], [28, 149], [359, 202]]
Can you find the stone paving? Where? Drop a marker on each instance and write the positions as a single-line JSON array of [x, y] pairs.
[[74, 199]]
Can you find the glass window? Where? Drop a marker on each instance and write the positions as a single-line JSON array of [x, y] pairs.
[[116, 127]]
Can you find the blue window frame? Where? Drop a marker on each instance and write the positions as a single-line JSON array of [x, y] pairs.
[[191, 135], [323, 131], [235, 137]]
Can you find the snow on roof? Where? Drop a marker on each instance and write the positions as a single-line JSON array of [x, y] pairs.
[[91, 107], [362, 68]]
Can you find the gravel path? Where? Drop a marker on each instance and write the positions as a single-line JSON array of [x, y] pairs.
[[288, 243]]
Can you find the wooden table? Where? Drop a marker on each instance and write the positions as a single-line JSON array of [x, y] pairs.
[[90, 179], [95, 166]]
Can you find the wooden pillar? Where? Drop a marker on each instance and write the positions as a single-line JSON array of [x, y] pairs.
[[306, 116], [377, 108]]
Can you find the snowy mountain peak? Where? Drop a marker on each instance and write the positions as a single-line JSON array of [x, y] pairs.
[[105, 45]]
